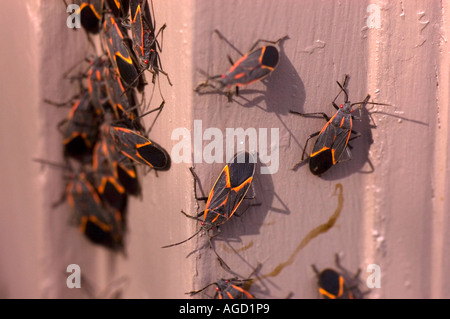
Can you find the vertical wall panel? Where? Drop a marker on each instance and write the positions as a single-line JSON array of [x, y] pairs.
[[387, 206]]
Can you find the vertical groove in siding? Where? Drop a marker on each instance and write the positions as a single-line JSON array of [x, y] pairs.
[[371, 224], [441, 157]]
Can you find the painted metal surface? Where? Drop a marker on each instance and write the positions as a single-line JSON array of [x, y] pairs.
[[393, 214]]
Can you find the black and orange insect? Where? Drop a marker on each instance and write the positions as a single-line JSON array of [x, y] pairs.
[[105, 171], [81, 131], [254, 66], [139, 148], [145, 42], [115, 174], [119, 8], [96, 82], [99, 223], [225, 197], [122, 57], [123, 103], [332, 141], [232, 288], [338, 284], [91, 15]]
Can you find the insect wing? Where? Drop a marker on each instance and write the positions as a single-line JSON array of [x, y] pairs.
[[230, 289], [91, 15], [106, 177], [156, 156], [96, 83], [97, 223], [253, 66], [330, 144], [119, 7], [82, 128], [127, 174], [231, 186], [139, 148], [330, 286], [118, 50], [137, 28]]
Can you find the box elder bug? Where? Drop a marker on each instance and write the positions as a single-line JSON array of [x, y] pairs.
[[145, 43], [332, 141], [105, 169], [139, 148], [115, 173], [338, 285], [96, 83], [228, 192], [256, 65], [232, 288], [81, 131], [228, 289], [123, 104], [91, 14], [120, 53], [119, 8], [101, 224]]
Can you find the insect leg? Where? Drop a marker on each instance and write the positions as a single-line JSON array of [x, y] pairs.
[[203, 198], [248, 206], [302, 161], [314, 114], [222, 37]]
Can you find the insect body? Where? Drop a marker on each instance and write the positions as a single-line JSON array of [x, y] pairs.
[[139, 148], [332, 141], [254, 66], [228, 289], [145, 43], [100, 224], [81, 131], [91, 15], [120, 53], [338, 284], [227, 193]]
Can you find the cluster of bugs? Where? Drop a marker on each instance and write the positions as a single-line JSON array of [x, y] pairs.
[[331, 147], [229, 190], [104, 138]]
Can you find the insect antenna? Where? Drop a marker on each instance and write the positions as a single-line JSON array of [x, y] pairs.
[[181, 242]]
